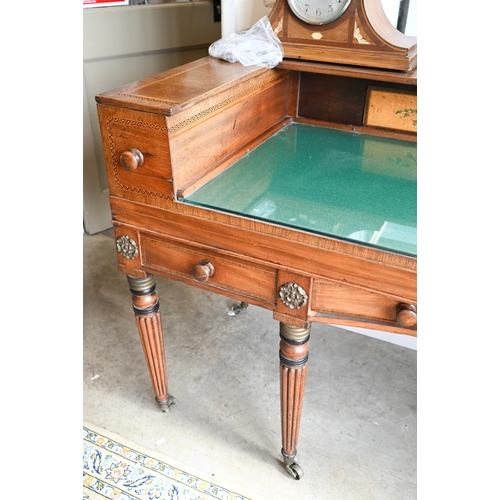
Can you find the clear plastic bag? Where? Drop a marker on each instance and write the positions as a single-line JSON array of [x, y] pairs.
[[257, 46]]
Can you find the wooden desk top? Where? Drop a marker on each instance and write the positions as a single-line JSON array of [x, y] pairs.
[[343, 228]]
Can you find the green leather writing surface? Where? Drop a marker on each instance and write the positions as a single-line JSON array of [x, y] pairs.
[[335, 183]]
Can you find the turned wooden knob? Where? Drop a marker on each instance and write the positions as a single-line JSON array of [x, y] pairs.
[[131, 159], [407, 315], [203, 271]]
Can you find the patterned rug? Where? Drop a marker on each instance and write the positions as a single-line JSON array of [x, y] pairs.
[[116, 469]]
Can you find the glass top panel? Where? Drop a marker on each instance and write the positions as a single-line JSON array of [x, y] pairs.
[[347, 185]]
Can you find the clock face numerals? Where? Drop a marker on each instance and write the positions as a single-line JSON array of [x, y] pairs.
[[318, 11]]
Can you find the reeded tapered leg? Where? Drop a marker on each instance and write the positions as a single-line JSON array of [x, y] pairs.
[[147, 314], [294, 353]]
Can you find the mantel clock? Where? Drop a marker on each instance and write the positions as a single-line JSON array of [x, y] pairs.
[[354, 32]]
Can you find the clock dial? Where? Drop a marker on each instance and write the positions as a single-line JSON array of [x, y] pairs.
[[318, 11]]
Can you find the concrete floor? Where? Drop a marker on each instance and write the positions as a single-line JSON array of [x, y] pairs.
[[358, 435]]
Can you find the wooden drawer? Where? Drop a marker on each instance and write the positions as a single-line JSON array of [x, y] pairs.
[[339, 300], [124, 131], [232, 274]]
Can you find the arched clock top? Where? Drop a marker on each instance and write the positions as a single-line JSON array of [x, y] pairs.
[[350, 32]]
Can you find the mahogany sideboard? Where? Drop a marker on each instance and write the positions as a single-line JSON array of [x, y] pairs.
[[274, 187]]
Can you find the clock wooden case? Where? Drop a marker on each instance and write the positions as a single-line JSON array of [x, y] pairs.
[[361, 36]]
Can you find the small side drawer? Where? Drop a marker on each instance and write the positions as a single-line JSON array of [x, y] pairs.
[[236, 275], [340, 300], [127, 133]]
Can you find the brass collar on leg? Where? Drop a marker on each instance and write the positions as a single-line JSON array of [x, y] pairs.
[[293, 334], [142, 286]]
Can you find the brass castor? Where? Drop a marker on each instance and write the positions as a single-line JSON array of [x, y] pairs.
[[165, 405], [237, 308], [292, 467]]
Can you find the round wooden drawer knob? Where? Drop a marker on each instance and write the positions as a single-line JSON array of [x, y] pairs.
[[203, 271], [132, 159], [407, 315]]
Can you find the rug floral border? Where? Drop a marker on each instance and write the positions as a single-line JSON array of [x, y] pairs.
[[116, 471]]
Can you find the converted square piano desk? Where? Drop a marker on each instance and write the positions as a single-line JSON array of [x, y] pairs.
[[279, 188]]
